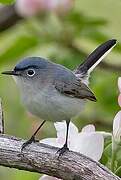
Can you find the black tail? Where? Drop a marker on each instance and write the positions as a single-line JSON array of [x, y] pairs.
[[95, 57]]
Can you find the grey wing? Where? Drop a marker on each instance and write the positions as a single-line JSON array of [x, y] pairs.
[[75, 89]]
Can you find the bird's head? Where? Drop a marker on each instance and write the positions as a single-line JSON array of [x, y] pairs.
[[30, 72]]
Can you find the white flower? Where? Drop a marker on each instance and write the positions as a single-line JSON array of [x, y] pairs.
[[116, 138], [46, 177], [117, 127], [119, 84], [117, 118], [87, 142], [119, 87]]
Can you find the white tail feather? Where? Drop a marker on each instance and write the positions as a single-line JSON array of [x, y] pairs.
[[100, 59]]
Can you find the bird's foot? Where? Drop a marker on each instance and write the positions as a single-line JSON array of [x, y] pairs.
[[62, 150], [31, 140]]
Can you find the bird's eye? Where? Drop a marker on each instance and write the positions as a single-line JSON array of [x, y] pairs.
[[31, 72]]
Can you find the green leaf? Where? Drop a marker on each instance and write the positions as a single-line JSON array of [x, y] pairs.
[[118, 171], [104, 160], [106, 157], [118, 156], [7, 1], [80, 24], [20, 46]]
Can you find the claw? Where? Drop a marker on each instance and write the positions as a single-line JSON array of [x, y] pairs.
[[62, 150], [31, 140]]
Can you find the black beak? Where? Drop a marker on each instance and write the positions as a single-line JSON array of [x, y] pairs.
[[11, 73]]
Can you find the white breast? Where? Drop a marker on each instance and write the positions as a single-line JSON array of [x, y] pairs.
[[51, 105]]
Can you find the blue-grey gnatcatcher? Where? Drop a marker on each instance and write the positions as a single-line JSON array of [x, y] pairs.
[[53, 92]]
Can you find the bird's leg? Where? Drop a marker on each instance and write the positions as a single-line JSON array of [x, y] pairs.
[[32, 139], [65, 146]]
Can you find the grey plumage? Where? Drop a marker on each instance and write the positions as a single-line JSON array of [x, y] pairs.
[[75, 89], [54, 93], [32, 62]]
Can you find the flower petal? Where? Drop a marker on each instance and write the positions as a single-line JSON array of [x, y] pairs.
[[51, 142], [91, 145], [46, 177], [89, 128], [119, 99], [117, 126], [61, 129], [73, 142], [119, 84]]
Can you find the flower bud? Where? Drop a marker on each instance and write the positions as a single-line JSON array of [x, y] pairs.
[[119, 84], [57, 6], [119, 100], [27, 8], [117, 127]]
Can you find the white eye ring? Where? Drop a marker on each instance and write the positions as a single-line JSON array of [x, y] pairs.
[[31, 72]]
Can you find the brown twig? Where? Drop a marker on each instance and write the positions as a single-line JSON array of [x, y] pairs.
[[8, 17]]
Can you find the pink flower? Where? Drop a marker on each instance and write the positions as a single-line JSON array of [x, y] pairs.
[[119, 87], [117, 127], [119, 100], [28, 8], [119, 84], [58, 6]]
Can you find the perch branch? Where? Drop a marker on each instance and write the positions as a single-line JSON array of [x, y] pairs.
[[44, 159]]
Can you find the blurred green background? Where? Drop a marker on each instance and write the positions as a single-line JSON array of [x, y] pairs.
[[67, 40]]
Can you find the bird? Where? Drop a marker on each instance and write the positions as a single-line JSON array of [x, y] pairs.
[[53, 92]]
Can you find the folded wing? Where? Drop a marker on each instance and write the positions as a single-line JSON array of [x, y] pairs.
[[75, 89]]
